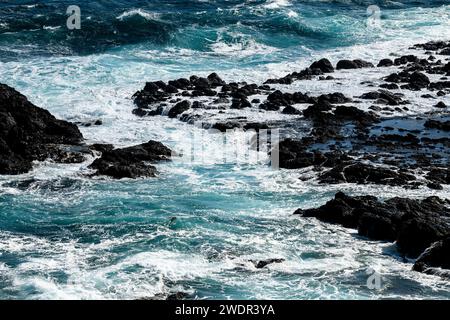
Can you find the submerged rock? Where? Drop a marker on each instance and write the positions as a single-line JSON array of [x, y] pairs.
[[262, 263], [29, 133], [131, 162]]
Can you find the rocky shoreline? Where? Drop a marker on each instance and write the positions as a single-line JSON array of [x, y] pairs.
[[346, 144], [29, 133], [373, 137], [420, 228]]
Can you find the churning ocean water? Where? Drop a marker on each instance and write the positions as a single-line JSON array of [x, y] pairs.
[[195, 227]]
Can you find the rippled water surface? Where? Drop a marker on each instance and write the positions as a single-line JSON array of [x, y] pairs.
[[195, 227]]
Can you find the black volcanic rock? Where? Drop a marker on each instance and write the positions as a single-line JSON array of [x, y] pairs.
[[215, 80], [179, 108], [436, 124], [29, 133], [291, 110], [385, 63], [441, 105], [294, 154], [240, 104], [361, 173], [353, 64], [324, 65], [405, 59], [383, 97], [131, 162], [419, 80], [435, 259], [262, 263], [414, 224], [354, 114]]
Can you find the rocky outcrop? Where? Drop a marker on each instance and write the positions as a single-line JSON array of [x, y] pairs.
[[385, 63], [361, 173], [29, 133], [323, 65], [436, 124], [436, 259], [353, 64], [131, 162], [414, 224]]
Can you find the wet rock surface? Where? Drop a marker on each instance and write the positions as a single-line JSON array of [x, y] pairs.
[[436, 259], [29, 133], [415, 225], [131, 162]]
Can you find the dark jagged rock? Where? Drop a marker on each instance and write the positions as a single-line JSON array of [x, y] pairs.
[[101, 147], [294, 154], [324, 65], [384, 97], [178, 296], [291, 110], [445, 52], [317, 110], [441, 105], [433, 45], [131, 162], [278, 99], [181, 84], [405, 59], [440, 125], [240, 104], [397, 77], [179, 108], [365, 174], [419, 80], [305, 74], [414, 224], [354, 114], [224, 126], [29, 133], [385, 63], [439, 175], [333, 98], [389, 86], [215, 80], [440, 85], [262, 263], [269, 106], [97, 122], [353, 64], [435, 259]]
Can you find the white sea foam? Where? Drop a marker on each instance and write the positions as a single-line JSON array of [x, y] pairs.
[[138, 12], [276, 4]]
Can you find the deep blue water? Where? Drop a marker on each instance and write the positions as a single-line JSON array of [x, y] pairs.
[[196, 226]]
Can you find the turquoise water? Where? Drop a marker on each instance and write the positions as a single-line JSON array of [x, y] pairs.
[[196, 226]]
